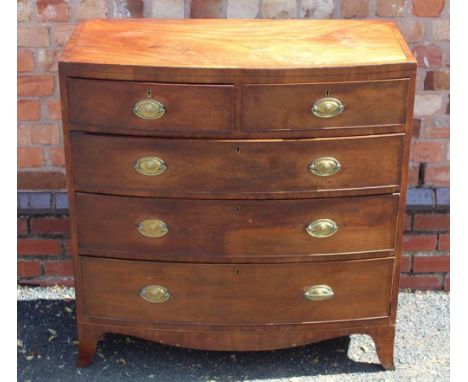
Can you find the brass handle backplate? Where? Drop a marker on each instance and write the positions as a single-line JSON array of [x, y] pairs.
[[150, 166], [155, 293], [149, 109], [327, 107], [322, 228], [318, 293], [152, 228], [325, 166]]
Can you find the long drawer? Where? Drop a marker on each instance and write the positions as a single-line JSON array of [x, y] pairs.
[[197, 230], [236, 293], [205, 168]]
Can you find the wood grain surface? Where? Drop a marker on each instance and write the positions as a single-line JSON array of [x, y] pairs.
[[209, 169], [260, 44], [236, 293], [206, 229]]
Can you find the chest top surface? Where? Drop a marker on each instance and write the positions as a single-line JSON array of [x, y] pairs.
[[236, 44]]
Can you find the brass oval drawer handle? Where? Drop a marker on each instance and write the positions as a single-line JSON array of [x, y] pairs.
[[152, 228], [322, 228], [327, 107], [149, 109], [155, 293], [325, 166], [318, 293], [150, 166]]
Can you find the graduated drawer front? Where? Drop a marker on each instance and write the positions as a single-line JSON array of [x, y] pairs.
[[235, 293], [198, 230], [107, 106], [210, 167], [288, 107]]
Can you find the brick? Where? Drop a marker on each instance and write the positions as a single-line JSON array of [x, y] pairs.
[[35, 85], [437, 175], [428, 8], [28, 268], [30, 157], [427, 104], [431, 264], [413, 175], [428, 56], [54, 110], [431, 222], [412, 30], [437, 80], [443, 199], [68, 249], [45, 134], [58, 268], [206, 9], [243, 9], [390, 8], [317, 9], [33, 36], [90, 9], [432, 282], [29, 110], [420, 199], [61, 33], [22, 226], [53, 10], [441, 30], [23, 10], [48, 281], [405, 264], [167, 9], [354, 8], [416, 243], [61, 200], [126, 8], [38, 247], [50, 225], [416, 128], [444, 242], [408, 222], [25, 61], [47, 60], [437, 133], [278, 9], [51, 180], [34, 200], [447, 283], [23, 135], [427, 151], [57, 156]]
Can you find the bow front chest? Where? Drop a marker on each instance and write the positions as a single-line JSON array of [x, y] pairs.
[[237, 184]]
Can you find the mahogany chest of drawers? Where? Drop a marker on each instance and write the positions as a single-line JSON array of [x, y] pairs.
[[237, 185]]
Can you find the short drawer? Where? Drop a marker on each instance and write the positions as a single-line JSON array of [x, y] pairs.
[[211, 168], [150, 108], [236, 293], [201, 230], [323, 105]]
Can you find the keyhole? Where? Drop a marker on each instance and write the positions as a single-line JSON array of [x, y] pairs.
[[238, 150], [237, 209], [327, 93], [237, 271], [149, 93]]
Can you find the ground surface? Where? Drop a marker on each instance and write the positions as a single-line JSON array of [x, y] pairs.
[[47, 350]]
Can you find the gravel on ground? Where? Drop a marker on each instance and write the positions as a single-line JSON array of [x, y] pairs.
[[47, 350]]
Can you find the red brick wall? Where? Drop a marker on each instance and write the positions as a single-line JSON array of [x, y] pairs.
[[45, 25]]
